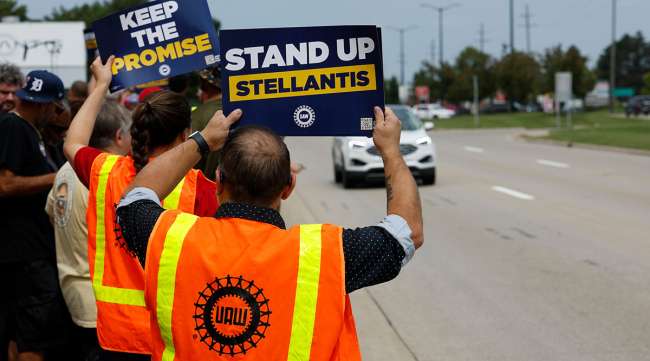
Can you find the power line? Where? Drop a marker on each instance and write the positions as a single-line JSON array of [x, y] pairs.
[[402, 57], [440, 10]]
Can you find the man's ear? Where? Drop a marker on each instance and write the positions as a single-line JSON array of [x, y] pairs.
[[217, 180], [286, 192]]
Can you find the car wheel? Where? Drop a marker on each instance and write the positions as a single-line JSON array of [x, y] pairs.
[[347, 181], [337, 174], [429, 179]]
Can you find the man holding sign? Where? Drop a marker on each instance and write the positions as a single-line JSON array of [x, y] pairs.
[[157, 40], [304, 81]]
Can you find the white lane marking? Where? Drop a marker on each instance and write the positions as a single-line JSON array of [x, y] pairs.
[[474, 149], [513, 193], [551, 163]]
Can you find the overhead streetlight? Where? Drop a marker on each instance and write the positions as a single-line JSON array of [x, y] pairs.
[[440, 10], [402, 58]]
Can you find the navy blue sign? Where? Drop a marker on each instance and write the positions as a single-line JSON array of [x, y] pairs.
[[304, 81], [156, 40]]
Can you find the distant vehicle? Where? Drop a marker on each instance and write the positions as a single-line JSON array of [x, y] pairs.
[[356, 159], [531, 107], [638, 105], [432, 111], [493, 108]]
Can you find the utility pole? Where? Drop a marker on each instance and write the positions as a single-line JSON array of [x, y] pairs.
[[433, 52], [402, 57], [612, 60], [528, 25], [440, 10], [512, 26], [481, 38]]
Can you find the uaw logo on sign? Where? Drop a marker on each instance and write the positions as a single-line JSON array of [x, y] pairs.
[[231, 315], [279, 77]]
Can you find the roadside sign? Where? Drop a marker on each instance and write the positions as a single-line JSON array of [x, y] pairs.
[[304, 81], [157, 40], [422, 94], [563, 86]]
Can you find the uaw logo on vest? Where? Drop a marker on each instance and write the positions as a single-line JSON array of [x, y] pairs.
[[231, 315]]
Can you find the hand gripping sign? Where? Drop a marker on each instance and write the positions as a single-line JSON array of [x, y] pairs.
[[156, 40], [304, 81]]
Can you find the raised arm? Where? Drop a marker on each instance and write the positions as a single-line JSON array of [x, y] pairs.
[[82, 125], [401, 189], [163, 173]]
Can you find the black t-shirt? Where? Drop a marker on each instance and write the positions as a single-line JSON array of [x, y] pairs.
[[26, 232]]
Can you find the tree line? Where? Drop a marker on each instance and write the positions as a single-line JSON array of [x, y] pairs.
[[521, 76]]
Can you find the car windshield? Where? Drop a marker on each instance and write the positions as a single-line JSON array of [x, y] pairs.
[[409, 120]]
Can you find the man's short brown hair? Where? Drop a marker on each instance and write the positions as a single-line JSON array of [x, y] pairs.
[[255, 165]]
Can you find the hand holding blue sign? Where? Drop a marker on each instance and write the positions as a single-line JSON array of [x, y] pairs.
[[216, 132], [103, 72], [387, 132]]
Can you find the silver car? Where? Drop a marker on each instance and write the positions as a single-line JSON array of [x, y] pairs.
[[356, 159]]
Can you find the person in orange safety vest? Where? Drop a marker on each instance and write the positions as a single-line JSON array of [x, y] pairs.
[[159, 123], [240, 285]]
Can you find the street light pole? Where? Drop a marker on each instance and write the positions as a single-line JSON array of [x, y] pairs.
[[402, 56], [512, 26], [612, 60], [440, 10]]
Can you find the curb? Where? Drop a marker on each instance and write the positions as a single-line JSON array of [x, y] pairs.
[[532, 139]]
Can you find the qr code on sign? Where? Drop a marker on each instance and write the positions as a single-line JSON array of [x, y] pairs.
[[367, 123]]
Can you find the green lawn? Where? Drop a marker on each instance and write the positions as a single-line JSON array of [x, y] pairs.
[[594, 127]]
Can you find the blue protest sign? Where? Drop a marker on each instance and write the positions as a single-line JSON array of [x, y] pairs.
[[156, 40], [304, 81]]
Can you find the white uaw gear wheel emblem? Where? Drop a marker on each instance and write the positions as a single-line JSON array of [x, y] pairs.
[[304, 116], [231, 315]]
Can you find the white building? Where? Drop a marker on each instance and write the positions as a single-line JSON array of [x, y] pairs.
[[58, 47]]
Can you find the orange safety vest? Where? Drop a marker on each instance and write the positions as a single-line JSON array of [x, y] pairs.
[[235, 289], [117, 276]]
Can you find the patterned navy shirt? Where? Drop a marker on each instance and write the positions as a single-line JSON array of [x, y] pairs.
[[371, 254]]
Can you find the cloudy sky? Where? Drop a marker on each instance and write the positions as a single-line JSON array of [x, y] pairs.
[[585, 23]]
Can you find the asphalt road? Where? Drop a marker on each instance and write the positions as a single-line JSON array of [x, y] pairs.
[[532, 252]]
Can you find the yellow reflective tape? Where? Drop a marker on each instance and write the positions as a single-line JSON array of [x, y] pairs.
[[105, 293], [167, 279], [304, 309], [174, 198]]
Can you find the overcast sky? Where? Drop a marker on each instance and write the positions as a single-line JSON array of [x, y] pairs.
[[585, 23]]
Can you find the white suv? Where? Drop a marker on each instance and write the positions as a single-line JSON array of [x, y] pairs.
[[432, 111], [356, 159]]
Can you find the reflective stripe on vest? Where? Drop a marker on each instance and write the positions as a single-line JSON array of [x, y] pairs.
[[109, 294], [167, 279], [304, 311], [174, 198], [106, 293]]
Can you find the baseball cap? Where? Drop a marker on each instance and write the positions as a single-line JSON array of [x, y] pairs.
[[41, 87], [212, 75]]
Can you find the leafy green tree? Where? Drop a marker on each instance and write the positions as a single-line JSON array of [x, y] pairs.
[[646, 82], [391, 91], [555, 59], [517, 76], [472, 62], [96, 10], [11, 8], [632, 61]]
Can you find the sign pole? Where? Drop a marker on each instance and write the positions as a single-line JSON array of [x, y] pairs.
[[477, 119]]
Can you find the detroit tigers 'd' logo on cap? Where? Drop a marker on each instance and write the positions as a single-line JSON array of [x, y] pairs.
[[231, 315]]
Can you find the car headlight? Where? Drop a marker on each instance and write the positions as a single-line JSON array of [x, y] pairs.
[[423, 140], [357, 144]]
